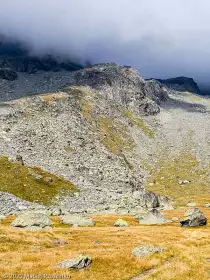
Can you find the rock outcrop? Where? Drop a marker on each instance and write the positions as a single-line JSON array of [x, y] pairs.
[[124, 85], [181, 84], [87, 133]]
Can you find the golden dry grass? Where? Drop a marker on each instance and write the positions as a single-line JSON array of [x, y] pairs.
[[50, 97], [185, 257]]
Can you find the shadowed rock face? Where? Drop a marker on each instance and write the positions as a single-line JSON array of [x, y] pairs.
[[32, 64], [15, 55], [8, 74], [181, 84]]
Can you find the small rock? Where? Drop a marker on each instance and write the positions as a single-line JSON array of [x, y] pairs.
[[191, 204], [36, 247], [75, 226], [207, 205], [48, 180], [175, 219], [20, 159], [79, 262], [54, 211], [121, 223], [145, 250], [59, 242], [184, 182]]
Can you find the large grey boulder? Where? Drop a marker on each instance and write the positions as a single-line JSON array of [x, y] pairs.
[[141, 214], [150, 200], [79, 262], [154, 217], [156, 91], [76, 219], [194, 218], [32, 221], [145, 250], [151, 108]]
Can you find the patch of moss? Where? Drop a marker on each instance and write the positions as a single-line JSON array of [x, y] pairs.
[[114, 135], [49, 98], [136, 120], [68, 149], [165, 180], [86, 108], [32, 184], [58, 224]]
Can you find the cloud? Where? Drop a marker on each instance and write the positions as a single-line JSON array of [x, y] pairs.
[[160, 38]]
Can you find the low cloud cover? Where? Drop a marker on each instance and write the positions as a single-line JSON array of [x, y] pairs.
[[160, 38]]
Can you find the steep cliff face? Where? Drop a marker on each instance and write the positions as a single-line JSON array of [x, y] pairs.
[[87, 133]]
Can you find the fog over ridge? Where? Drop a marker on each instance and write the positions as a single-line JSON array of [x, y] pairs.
[[160, 38]]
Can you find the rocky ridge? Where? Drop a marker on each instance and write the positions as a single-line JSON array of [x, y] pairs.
[[182, 84], [103, 132], [84, 133]]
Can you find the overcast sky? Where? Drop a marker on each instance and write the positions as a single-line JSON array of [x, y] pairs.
[[161, 38]]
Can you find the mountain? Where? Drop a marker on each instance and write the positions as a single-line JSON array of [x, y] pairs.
[[86, 132], [181, 84], [121, 142]]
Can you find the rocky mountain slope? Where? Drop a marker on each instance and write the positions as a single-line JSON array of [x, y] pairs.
[[84, 132], [105, 131]]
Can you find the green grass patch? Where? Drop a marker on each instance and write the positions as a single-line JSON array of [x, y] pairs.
[[165, 180], [114, 135], [136, 120], [32, 183], [86, 108]]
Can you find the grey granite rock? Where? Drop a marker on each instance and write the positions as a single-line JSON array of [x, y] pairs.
[[145, 250], [76, 219], [79, 262], [194, 218], [154, 217], [32, 221]]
